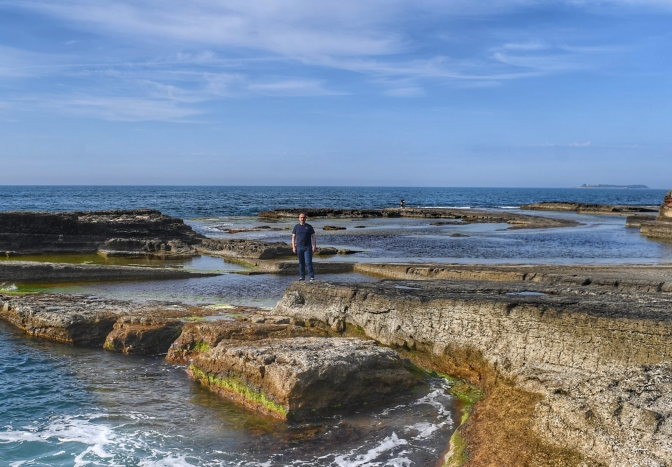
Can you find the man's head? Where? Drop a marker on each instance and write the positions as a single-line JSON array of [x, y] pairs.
[[302, 218]]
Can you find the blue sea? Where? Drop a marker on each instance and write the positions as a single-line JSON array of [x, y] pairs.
[[64, 406]]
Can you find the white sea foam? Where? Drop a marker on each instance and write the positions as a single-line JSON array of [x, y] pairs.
[[354, 460], [169, 461], [7, 287], [425, 429]]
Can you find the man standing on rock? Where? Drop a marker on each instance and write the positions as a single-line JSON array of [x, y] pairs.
[[304, 244]]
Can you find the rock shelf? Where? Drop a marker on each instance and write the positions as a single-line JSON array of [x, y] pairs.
[[588, 208], [303, 377], [562, 350], [469, 216], [38, 272], [114, 232]]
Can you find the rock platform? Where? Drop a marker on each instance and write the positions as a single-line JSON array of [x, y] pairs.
[[589, 208], [113, 232], [38, 272], [590, 367], [304, 377], [661, 227], [467, 216]]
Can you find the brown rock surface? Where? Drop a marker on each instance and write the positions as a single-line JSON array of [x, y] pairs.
[[199, 337], [661, 227], [145, 230], [302, 377], [143, 335], [591, 366], [588, 208], [515, 220], [71, 319], [253, 249]]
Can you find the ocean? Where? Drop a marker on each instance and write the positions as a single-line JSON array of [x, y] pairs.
[[64, 406]]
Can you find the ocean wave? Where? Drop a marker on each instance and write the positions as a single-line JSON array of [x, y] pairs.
[[7, 287]]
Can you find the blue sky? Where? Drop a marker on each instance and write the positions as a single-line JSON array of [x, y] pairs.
[[297, 92]]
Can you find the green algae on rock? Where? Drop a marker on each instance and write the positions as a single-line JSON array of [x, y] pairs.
[[306, 376]]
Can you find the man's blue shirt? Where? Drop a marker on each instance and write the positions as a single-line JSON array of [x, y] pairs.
[[303, 234]]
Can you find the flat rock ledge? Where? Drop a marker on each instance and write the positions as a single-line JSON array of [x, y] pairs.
[[588, 208], [591, 367], [37, 272], [467, 216], [113, 232], [661, 226], [300, 378], [200, 337]]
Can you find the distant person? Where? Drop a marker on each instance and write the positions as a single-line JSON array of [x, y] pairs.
[[304, 244], [402, 204]]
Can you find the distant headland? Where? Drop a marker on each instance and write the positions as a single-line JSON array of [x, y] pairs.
[[622, 187]]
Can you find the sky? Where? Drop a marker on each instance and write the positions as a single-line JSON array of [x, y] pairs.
[[499, 93]]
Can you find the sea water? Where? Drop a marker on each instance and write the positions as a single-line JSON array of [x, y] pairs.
[[64, 406]]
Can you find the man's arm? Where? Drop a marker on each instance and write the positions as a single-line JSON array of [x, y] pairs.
[[294, 243], [314, 240]]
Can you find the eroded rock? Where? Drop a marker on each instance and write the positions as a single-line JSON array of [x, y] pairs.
[[303, 377], [199, 337], [143, 335]]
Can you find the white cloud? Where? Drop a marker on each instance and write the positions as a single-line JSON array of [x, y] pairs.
[[291, 88]]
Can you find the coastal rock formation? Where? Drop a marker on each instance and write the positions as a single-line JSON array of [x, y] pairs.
[[71, 319], [661, 227], [516, 221], [34, 272], [143, 335], [588, 208], [563, 350], [235, 248], [302, 377], [85, 320], [333, 227], [199, 337], [613, 278], [144, 231]]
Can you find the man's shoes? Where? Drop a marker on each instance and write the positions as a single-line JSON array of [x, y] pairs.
[[302, 279], [312, 279]]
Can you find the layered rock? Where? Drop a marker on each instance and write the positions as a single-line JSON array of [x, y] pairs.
[[248, 249], [302, 377], [588, 208], [71, 319], [594, 363], [199, 337], [515, 220], [34, 272], [115, 232], [143, 335], [661, 227]]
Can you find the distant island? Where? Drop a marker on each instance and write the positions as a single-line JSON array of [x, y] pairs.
[[627, 187]]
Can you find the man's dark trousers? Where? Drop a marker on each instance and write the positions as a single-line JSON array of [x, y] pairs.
[[305, 254]]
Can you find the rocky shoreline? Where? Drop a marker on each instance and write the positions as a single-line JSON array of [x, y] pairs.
[[589, 208], [466, 216], [574, 362]]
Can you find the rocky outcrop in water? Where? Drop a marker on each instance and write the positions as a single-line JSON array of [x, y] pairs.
[[467, 216], [115, 232], [253, 249], [143, 335], [199, 337], [36, 272], [302, 377], [71, 319], [588, 208], [661, 227], [590, 367]]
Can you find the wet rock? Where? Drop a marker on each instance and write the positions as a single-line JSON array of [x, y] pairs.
[[588, 208], [34, 272], [515, 220], [71, 319], [326, 251], [244, 248], [576, 348], [26, 232], [661, 227], [303, 377], [199, 337], [333, 227], [143, 335]]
